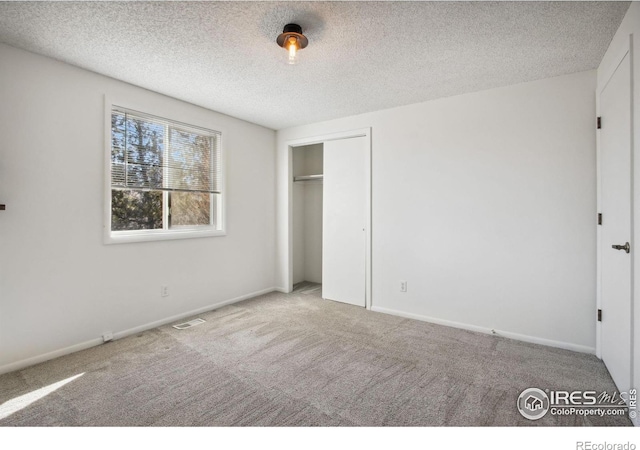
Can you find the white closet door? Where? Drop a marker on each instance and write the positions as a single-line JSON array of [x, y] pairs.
[[615, 144], [344, 220]]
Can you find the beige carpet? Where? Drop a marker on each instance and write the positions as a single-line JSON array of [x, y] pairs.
[[293, 360]]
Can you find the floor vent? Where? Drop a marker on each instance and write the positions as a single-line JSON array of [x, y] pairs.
[[189, 324]]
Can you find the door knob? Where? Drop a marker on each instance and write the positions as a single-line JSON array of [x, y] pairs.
[[624, 247]]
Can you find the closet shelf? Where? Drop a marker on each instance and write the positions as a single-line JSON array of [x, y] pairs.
[[308, 178]]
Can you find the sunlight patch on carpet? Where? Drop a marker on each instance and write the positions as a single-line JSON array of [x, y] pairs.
[[18, 403]]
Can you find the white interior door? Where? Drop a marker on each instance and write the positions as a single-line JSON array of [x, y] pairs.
[[344, 220], [615, 145]]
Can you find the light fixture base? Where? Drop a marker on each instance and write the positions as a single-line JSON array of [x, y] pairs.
[[292, 30]]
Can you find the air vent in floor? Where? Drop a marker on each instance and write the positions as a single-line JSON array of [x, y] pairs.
[[189, 324]]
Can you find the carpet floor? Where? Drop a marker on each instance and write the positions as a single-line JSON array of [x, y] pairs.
[[298, 360]]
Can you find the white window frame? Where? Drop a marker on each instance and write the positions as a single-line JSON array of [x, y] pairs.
[[218, 204]]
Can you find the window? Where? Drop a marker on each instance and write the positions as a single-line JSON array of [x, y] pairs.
[[165, 179]]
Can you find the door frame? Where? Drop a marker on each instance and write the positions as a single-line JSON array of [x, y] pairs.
[[622, 52], [361, 132]]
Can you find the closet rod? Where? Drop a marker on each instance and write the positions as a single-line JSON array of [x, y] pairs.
[[308, 178]]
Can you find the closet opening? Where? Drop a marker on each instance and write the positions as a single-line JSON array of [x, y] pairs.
[[307, 165]]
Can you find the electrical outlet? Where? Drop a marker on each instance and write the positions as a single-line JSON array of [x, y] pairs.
[[403, 286], [164, 291], [107, 336]]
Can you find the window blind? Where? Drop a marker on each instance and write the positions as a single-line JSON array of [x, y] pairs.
[[153, 153]]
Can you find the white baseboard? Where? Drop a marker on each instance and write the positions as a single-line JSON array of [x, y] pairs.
[[282, 289], [18, 365], [158, 323], [11, 367], [506, 334]]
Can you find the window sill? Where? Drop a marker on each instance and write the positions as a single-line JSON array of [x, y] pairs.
[[124, 237]]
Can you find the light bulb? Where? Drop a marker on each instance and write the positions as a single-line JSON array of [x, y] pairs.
[[292, 45]]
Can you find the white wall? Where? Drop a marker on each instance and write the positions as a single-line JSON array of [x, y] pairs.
[[313, 232], [619, 46], [485, 204], [307, 215], [60, 286]]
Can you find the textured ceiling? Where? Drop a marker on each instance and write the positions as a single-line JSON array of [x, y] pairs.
[[362, 56]]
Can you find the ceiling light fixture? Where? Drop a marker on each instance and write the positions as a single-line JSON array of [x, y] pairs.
[[292, 40]]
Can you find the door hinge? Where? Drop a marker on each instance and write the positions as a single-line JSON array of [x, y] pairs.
[[599, 218], [599, 315], [599, 122]]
